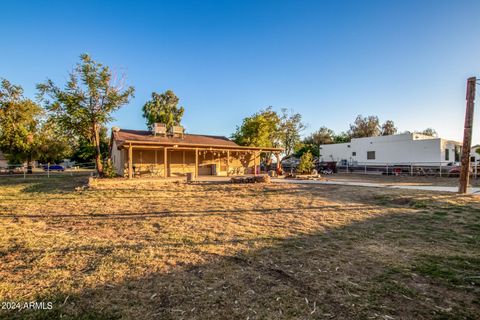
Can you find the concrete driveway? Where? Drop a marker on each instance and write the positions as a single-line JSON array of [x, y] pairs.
[[378, 185]]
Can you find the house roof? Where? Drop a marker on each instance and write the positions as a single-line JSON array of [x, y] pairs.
[[142, 137]]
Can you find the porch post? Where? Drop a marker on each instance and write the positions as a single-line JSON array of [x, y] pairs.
[[165, 166], [214, 164], [255, 163], [228, 163], [130, 162], [183, 162], [277, 155], [196, 162]]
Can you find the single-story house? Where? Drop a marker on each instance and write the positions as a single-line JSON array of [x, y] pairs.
[[406, 148], [137, 152]]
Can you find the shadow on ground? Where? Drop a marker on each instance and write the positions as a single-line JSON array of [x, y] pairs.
[[55, 185], [367, 269]]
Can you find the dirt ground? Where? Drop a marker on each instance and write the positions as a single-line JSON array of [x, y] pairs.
[[156, 250]]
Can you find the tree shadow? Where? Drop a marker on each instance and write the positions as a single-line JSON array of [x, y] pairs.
[[181, 213], [56, 184], [361, 270]]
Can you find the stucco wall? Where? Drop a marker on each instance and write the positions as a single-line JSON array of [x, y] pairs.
[[117, 157]]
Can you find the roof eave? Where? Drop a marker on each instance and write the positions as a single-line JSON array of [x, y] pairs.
[[193, 145]]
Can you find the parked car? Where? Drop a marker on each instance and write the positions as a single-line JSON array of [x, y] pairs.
[[326, 171], [455, 171], [327, 167], [54, 167], [11, 169]]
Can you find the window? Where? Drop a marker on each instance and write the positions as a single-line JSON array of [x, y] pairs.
[[447, 154], [370, 155], [354, 154]]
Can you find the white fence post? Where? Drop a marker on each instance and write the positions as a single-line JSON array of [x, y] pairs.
[[411, 169], [48, 170], [387, 169], [365, 168], [440, 169]]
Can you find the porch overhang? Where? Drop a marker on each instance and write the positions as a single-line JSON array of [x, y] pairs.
[[126, 144]]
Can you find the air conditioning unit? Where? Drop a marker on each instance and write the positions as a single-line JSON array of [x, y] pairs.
[[177, 131], [159, 129]]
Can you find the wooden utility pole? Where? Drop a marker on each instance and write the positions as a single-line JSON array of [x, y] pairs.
[[467, 136]]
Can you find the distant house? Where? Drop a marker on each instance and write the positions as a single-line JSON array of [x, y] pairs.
[[475, 156], [407, 148], [3, 160], [136, 152]]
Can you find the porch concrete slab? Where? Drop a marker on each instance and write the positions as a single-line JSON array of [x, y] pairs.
[[212, 179]]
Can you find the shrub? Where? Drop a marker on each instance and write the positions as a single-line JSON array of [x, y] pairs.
[[306, 163], [109, 170]]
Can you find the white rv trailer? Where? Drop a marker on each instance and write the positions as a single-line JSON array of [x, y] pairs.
[[399, 149]]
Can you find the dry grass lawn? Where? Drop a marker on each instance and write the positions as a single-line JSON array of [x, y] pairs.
[[221, 251]]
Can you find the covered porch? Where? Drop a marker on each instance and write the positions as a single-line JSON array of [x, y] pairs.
[[143, 160]]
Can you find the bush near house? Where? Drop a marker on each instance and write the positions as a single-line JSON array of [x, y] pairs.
[[108, 169]]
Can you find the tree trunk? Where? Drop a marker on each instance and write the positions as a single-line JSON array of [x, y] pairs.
[[29, 164], [98, 155]]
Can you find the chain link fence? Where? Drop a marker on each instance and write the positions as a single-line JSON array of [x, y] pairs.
[[46, 170], [407, 169]]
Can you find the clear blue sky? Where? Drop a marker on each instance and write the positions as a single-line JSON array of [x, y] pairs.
[[402, 60]]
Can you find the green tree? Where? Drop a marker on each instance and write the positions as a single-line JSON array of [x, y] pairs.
[[304, 147], [429, 132], [323, 135], [388, 128], [267, 128], [342, 137], [52, 144], [312, 142], [86, 102], [306, 163], [365, 127], [260, 130], [19, 123], [85, 150], [290, 128], [163, 107]]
